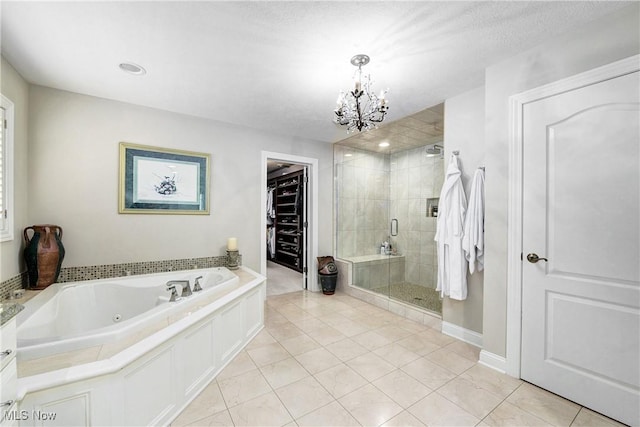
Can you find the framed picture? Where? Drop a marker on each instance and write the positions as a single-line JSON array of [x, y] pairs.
[[163, 181]]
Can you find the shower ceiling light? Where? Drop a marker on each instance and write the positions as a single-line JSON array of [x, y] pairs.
[[360, 108], [384, 144]]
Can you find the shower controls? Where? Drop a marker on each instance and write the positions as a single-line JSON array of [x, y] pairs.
[[533, 258]]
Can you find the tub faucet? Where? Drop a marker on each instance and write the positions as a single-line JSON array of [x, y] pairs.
[[186, 289], [196, 286]]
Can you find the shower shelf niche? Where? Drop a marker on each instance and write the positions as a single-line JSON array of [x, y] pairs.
[[432, 207]]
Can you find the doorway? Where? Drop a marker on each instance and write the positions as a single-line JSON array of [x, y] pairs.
[[576, 277], [289, 227]]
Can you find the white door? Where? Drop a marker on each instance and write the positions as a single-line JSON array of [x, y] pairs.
[[581, 211]]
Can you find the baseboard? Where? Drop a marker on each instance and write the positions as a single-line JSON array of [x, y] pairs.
[[458, 332], [493, 361]]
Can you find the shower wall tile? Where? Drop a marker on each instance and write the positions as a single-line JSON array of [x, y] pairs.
[[401, 160], [401, 188], [347, 180], [415, 157], [415, 182], [346, 218]]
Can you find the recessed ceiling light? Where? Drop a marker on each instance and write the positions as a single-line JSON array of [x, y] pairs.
[[348, 155], [131, 68], [383, 144]]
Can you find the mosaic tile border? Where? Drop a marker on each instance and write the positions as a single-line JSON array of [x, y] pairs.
[[105, 271], [15, 283]]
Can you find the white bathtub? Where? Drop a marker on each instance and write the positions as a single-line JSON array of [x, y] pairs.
[[75, 315], [154, 374]]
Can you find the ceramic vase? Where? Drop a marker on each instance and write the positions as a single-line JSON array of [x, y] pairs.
[[43, 254]]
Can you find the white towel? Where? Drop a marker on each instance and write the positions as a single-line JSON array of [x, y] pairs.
[[452, 265], [473, 241]]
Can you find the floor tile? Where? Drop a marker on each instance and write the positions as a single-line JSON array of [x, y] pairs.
[[206, 404], [396, 354], [300, 344], [303, 397], [393, 332], [239, 365], [351, 327], [589, 418], [499, 384], [419, 344], [268, 354], [469, 351], [370, 366], [403, 419], [340, 380], [284, 372], [450, 360], [317, 360], [428, 373], [284, 331], [508, 415], [402, 388], [262, 339], [332, 414], [265, 410], [220, 419], [470, 397], [326, 335], [371, 340], [438, 411], [370, 406], [310, 324], [241, 388], [346, 349], [548, 406]]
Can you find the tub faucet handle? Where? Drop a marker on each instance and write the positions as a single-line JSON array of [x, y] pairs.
[[174, 293], [186, 289], [196, 286]]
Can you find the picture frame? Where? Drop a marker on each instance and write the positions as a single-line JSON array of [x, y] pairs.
[[156, 180]]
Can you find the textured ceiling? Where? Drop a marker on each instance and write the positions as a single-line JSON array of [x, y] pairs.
[[275, 66]]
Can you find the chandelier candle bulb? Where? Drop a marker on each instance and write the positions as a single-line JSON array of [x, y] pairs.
[[232, 244]]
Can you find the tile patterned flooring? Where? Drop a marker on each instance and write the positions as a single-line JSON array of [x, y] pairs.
[[338, 361]]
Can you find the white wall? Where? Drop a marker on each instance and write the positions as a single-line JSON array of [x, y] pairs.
[[601, 42], [73, 180], [464, 132], [16, 89]]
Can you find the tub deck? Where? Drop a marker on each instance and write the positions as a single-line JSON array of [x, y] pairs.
[[97, 353]]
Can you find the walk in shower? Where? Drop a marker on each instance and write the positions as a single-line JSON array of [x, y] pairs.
[[389, 195]]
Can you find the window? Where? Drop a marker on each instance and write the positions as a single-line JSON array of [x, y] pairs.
[[6, 169]]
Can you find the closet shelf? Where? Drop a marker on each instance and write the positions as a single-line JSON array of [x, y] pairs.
[[288, 206]]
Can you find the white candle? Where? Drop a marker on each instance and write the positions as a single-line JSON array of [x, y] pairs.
[[232, 244]]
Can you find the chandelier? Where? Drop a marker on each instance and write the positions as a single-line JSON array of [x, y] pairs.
[[360, 108]]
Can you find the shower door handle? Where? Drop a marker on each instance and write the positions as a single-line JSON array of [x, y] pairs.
[[394, 221]]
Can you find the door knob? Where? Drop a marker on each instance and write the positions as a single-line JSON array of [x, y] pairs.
[[533, 258]]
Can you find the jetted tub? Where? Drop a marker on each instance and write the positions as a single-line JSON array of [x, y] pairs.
[[148, 357], [75, 315]]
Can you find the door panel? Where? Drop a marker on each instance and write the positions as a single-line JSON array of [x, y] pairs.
[[581, 204]]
